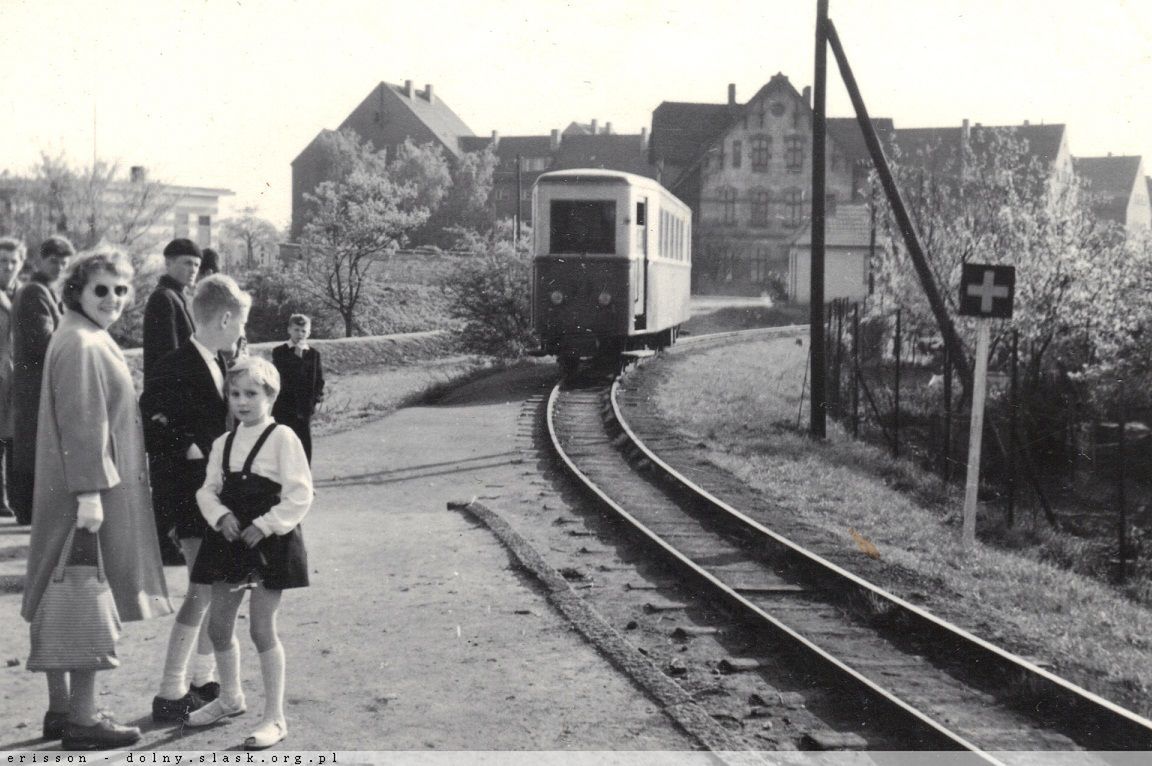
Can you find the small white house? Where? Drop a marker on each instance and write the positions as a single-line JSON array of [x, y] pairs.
[[847, 245]]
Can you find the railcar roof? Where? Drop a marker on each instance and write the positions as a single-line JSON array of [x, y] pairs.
[[577, 175]]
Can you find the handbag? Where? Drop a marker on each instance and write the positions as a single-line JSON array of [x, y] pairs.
[[76, 624]]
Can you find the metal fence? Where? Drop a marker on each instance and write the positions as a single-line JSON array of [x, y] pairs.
[[1086, 472]]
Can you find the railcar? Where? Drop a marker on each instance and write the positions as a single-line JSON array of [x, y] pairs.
[[612, 265]]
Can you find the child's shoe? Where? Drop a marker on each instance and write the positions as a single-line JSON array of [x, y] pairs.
[[207, 692], [266, 735], [216, 710], [174, 711]]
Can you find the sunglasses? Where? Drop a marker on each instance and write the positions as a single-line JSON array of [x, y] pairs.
[[101, 291]]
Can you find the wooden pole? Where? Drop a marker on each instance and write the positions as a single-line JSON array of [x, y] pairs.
[[816, 426], [976, 432], [916, 253], [897, 342]]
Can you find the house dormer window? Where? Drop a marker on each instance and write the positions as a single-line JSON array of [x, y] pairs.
[[761, 153]]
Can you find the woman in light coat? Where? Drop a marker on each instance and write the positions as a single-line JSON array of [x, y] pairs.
[[91, 473]]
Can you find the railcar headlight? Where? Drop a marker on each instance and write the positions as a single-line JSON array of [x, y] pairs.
[[605, 298], [556, 297]]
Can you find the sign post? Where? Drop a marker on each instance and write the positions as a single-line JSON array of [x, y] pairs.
[[986, 292]]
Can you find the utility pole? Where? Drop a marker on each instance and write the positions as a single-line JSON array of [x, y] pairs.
[[816, 426], [516, 241]]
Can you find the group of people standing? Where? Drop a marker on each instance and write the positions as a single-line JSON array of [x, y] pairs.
[[199, 458]]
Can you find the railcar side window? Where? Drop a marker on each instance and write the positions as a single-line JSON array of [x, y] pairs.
[[583, 226]]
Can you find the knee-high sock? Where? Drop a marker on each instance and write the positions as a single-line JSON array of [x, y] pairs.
[[174, 683], [272, 669], [204, 664], [228, 665]]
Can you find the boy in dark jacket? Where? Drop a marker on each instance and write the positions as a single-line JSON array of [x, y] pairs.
[[185, 410], [301, 381]]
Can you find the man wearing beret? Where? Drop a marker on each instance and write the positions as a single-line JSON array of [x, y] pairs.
[[167, 321], [167, 326], [36, 311]]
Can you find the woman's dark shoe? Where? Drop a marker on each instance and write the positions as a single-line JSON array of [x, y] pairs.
[[207, 692], [105, 734], [54, 724], [174, 711]]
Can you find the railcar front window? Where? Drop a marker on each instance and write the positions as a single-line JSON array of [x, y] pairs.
[[584, 226]]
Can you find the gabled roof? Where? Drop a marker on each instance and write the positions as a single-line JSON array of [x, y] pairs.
[[508, 147], [851, 226], [612, 151], [315, 139], [682, 132], [679, 129], [1109, 182], [1108, 175], [432, 111], [846, 134], [934, 149]]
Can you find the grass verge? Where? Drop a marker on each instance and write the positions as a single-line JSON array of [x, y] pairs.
[[356, 398], [1084, 628]]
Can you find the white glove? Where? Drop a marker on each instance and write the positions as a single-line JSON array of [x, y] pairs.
[[89, 511]]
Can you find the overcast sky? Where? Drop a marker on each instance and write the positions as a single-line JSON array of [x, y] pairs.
[[227, 92]]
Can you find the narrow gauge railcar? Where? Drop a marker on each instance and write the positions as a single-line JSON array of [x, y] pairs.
[[612, 264]]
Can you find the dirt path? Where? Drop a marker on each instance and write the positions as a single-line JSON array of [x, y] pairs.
[[417, 633]]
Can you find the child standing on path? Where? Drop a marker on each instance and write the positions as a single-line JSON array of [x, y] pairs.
[[301, 380], [257, 490]]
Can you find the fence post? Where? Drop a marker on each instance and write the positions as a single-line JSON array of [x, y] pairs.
[[855, 370], [1013, 405], [947, 416], [1121, 499], [896, 408], [839, 356]]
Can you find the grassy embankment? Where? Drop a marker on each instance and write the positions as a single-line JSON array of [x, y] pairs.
[[1080, 625]]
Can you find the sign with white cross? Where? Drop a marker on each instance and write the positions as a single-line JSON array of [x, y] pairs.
[[987, 291]]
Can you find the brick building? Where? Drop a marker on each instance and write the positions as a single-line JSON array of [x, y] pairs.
[[746, 172]]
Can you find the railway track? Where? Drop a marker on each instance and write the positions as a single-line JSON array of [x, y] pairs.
[[906, 676]]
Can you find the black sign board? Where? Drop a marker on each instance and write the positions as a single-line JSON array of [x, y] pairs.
[[987, 291]]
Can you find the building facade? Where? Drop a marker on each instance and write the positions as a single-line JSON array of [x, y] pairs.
[[746, 172], [134, 212]]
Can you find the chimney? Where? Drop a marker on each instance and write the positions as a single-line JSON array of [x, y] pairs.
[[965, 131], [138, 174], [607, 128], [644, 139], [495, 139], [428, 93], [1025, 123], [408, 88], [807, 95], [593, 127], [554, 143], [731, 94]]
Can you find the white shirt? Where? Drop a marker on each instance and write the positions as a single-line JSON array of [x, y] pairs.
[[281, 459], [210, 359]]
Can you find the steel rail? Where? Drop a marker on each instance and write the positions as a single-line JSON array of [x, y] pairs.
[[1111, 725], [946, 739]]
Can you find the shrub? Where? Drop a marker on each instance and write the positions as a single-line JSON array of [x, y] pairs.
[[491, 292], [276, 296]]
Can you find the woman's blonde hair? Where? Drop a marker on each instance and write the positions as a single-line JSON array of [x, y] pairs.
[[262, 372]]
